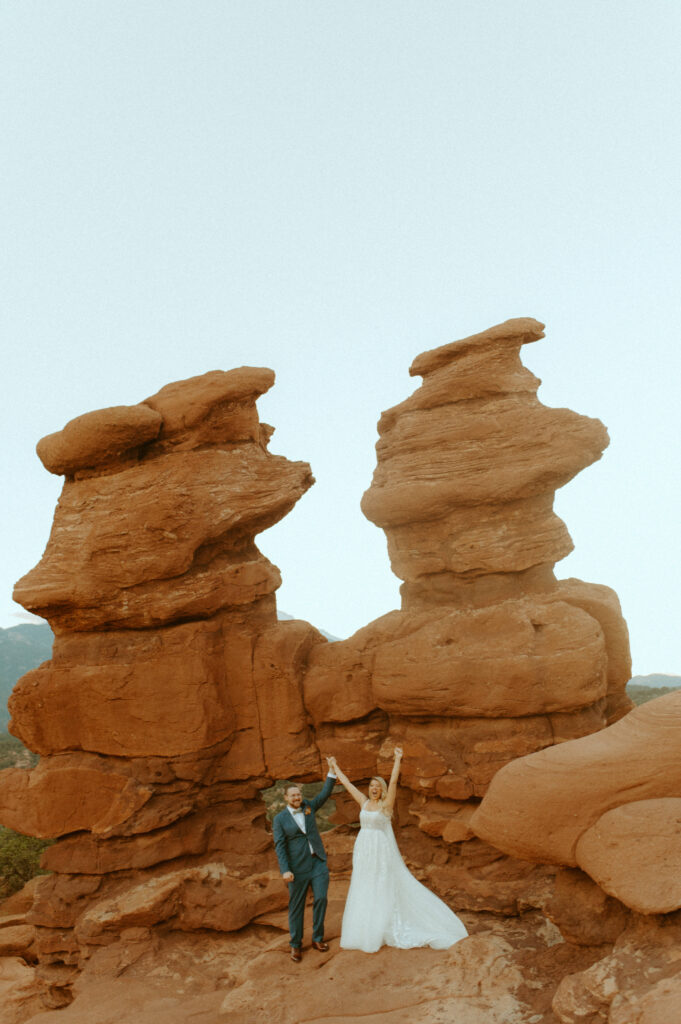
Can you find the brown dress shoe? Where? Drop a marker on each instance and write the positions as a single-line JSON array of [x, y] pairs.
[[296, 955], [321, 946]]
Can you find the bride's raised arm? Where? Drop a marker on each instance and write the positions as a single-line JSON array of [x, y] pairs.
[[392, 785], [345, 782]]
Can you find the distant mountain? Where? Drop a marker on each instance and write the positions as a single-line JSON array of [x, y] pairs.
[[21, 648], [656, 679], [641, 689]]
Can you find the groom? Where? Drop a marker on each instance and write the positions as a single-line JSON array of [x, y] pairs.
[[302, 860]]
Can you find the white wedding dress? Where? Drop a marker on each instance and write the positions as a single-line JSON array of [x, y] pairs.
[[386, 905]]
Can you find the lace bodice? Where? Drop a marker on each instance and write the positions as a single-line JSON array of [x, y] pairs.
[[374, 819]]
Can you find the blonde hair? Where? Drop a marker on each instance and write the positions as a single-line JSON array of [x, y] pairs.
[[382, 783]]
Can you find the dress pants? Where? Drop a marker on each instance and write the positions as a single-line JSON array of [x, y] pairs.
[[317, 876]]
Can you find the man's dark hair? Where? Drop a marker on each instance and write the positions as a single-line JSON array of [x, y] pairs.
[[291, 785]]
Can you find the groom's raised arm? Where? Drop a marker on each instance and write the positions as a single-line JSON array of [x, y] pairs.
[[324, 793], [280, 848]]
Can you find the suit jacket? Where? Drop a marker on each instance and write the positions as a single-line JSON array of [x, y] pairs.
[[292, 845]]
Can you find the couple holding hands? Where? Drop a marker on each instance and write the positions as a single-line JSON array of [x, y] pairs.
[[386, 905]]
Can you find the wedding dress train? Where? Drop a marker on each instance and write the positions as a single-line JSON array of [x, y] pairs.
[[386, 905]]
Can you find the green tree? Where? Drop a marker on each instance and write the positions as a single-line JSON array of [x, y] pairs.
[[19, 860]]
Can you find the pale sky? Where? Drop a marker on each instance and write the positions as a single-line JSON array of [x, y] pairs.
[[329, 188]]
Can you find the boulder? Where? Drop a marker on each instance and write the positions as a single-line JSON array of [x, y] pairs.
[[20, 995], [98, 437], [635, 982], [16, 940], [634, 853], [540, 806], [192, 899]]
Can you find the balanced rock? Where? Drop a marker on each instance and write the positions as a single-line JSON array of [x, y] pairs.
[[545, 806], [634, 853]]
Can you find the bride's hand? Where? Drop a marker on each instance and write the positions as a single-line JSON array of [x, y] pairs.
[[398, 753]]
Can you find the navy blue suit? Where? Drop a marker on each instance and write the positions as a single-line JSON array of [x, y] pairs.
[[292, 846]]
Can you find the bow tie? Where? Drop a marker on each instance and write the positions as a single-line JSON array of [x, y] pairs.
[[299, 810]]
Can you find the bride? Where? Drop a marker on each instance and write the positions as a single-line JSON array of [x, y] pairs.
[[386, 905]]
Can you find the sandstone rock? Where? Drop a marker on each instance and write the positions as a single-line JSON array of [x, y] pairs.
[[356, 745], [637, 758], [11, 920], [16, 940], [160, 811], [337, 685], [444, 818], [147, 903], [272, 733], [19, 990], [634, 853], [659, 1005], [129, 693], [20, 902], [457, 758], [475, 982], [171, 673], [498, 343], [603, 605], [459, 590], [52, 801], [585, 914], [194, 898], [478, 878], [502, 662], [466, 471], [87, 854], [508, 537], [515, 449], [60, 899], [635, 983], [183, 513], [98, 437], [57, 947], [212, 408], [280, 659]]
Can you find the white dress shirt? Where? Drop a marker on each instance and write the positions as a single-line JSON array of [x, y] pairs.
[[298, 814]]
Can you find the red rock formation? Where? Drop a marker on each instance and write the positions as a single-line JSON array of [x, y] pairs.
[[174, 696], [637, 982], [490, 657], [609, 804], [633, 763]]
